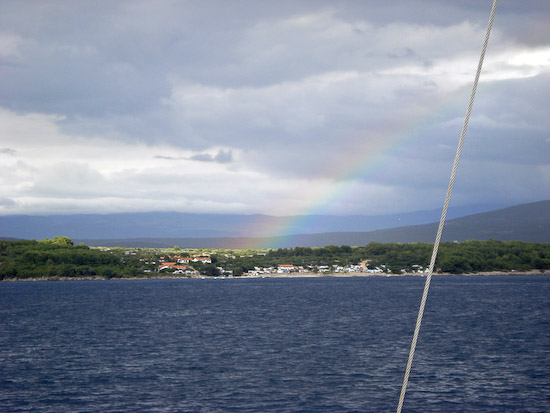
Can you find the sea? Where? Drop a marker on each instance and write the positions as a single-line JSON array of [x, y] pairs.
[[275, 345]]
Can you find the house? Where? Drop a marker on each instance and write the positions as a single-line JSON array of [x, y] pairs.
[[225, 273], [171, 266], [285, 268], [205, 259]]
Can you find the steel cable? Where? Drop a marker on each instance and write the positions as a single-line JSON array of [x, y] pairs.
[[444, 212]]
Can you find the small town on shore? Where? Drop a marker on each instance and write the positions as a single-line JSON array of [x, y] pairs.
[[182, 265], [59, 258]]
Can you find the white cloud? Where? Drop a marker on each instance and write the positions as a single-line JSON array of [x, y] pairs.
[[517, 63]]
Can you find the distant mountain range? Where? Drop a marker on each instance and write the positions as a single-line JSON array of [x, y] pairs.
[[186, 225], [527, 222]]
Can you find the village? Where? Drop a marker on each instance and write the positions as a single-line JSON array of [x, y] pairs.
[[180, 265]]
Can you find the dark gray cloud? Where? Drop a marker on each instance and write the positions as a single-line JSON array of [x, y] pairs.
[[118, 58], [168, 158], [7, 203], [8, 151], [220, 157]]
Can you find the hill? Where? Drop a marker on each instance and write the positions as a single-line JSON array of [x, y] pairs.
[[527, 222]]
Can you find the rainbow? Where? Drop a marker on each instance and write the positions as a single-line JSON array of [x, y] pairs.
[[364, 164]]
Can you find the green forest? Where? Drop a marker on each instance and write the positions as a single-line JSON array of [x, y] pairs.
[[60, 258], [453, 258]]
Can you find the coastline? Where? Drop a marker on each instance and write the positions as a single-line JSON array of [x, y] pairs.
[[286, 275]]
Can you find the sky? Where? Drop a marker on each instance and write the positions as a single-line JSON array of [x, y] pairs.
[[283, 108]]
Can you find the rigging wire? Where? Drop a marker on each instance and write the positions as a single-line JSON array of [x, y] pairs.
[[444, 212]]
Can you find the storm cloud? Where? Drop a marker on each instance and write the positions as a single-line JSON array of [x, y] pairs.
[[291, 107]]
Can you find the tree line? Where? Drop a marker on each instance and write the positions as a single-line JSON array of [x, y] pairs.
[[454, 258]]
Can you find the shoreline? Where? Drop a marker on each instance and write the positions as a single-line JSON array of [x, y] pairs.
[[290, 275]]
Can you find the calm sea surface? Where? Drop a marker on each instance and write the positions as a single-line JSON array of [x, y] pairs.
[[275, 345]]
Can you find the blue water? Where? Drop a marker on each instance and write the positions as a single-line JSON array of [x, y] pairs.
[[261, 345]]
